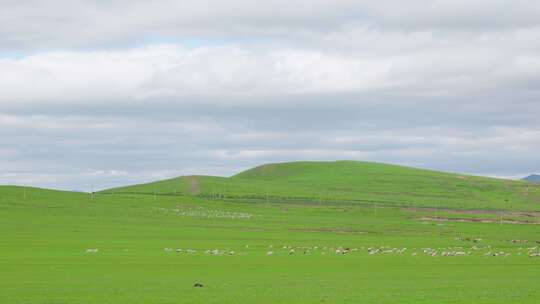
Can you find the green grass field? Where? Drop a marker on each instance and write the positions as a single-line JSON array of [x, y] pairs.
[[340, 232]]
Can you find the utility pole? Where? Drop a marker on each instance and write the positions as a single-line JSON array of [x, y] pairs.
[[501, 213], [91, 192]]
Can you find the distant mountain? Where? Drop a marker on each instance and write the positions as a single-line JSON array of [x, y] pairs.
[[535, 178]]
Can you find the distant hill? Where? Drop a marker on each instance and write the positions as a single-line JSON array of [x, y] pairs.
[[350, 182], [535, 178]]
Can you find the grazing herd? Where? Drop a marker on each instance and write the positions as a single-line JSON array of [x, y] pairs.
[[272, 250], [203, 212], [476, 249]]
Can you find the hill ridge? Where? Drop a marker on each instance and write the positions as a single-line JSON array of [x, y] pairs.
[[532, 178], [320, 182]]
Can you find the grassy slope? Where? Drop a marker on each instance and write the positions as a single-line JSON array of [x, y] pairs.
[[45, 234], [351, 181]]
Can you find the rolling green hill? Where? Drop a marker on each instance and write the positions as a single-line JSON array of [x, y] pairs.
[[346, 182]]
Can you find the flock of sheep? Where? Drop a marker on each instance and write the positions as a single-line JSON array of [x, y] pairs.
[[475, 249], [382, 250], [485, 251], [203, 212]]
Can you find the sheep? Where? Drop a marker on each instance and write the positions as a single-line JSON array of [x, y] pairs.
[[373, 251], [92, 250], [270, 253]]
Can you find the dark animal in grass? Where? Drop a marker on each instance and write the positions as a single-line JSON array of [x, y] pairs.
[[198, 285]]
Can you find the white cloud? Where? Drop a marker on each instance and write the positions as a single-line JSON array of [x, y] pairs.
[[115, 92], [171, 71], [237, 73], [86, 23]]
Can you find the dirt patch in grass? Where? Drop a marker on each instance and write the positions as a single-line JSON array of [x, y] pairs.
[[478, 220], [329, 230], [477, 211], [194, 187]]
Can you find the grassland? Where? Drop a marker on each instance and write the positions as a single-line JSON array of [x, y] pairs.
[[316, 237]]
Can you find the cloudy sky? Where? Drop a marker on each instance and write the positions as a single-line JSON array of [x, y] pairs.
[[114, 92]]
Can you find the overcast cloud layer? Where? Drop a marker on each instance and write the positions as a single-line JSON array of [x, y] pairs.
[[107, 93]]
